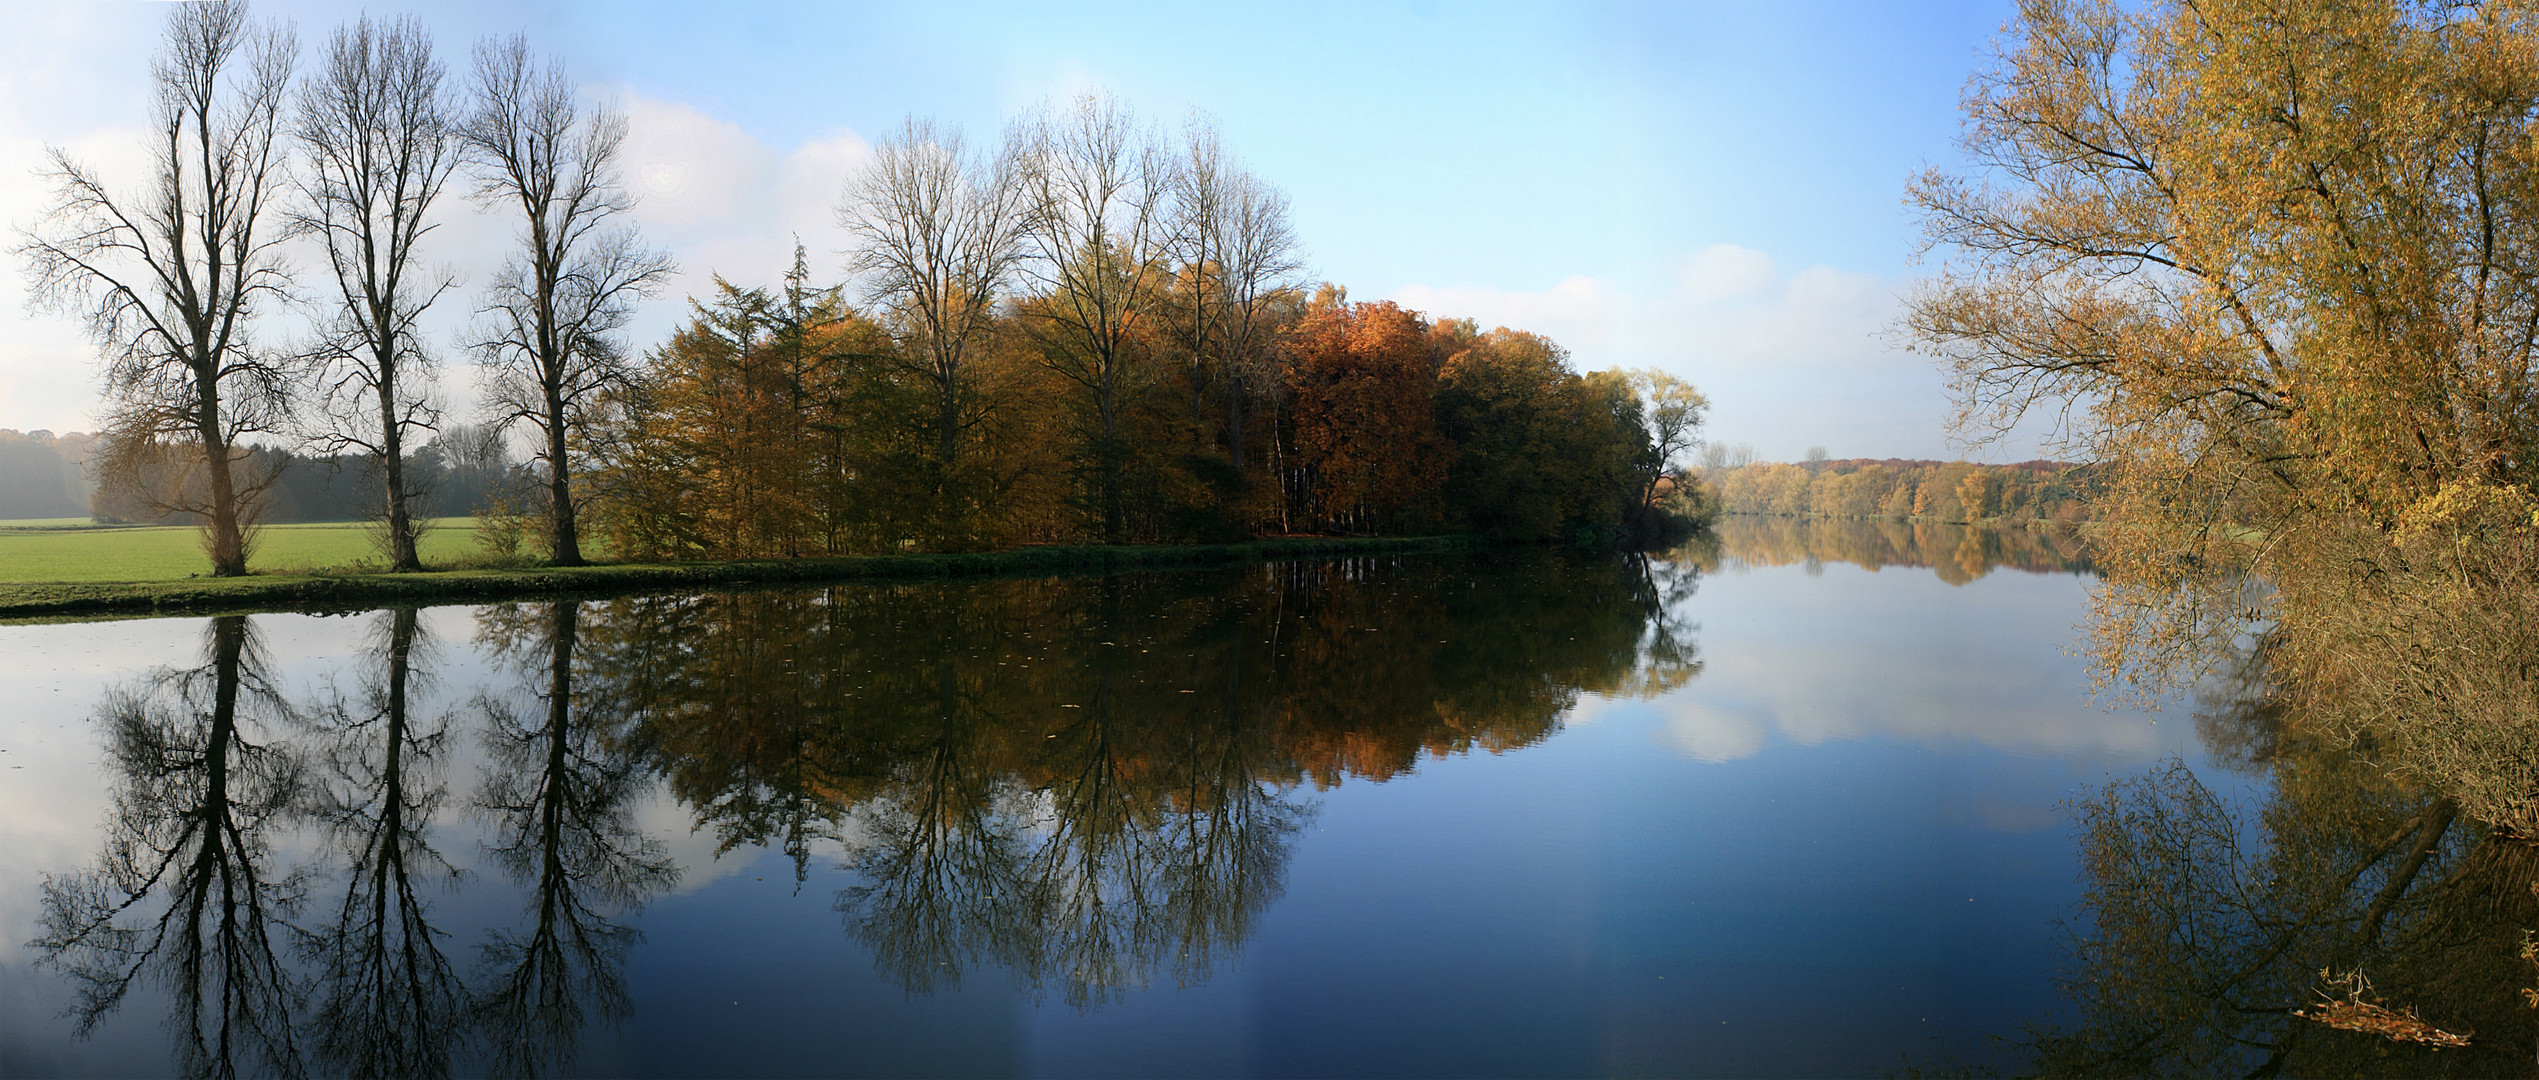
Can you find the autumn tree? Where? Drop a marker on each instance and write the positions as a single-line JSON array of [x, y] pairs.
[[1093, 850], [171, 277], [1672, 411], [750, 433], [1238, 267], [1519, 421], [1361, 379], [1201, 184], [552, 313], [1974, 496], [2276, 263], [381, 140], [707, 463], [1239, 255]]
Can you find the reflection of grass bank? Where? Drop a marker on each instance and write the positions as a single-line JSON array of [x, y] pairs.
[[370, 589]]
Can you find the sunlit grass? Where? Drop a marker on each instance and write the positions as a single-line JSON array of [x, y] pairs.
[[72, 549]]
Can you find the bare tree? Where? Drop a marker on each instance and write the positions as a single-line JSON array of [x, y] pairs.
[[553, 310], [938, 232], [1096, 191], [170, 278], [1194, 232], [1235, 238], [381, 139]]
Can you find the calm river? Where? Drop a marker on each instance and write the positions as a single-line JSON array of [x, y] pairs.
[[1790, 804]]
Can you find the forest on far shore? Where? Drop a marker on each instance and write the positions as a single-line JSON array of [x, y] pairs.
[[1907, 490]]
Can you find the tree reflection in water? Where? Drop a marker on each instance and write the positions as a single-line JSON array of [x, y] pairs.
[[559, 795], [1087, 784], [1956, 554], [1093, 782], [388, 1001], [185, 894], [2208, 925]]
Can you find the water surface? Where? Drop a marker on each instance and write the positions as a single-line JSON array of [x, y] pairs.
[[1786, 805]]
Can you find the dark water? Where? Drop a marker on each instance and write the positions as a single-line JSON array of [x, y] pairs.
[[1786, 805]]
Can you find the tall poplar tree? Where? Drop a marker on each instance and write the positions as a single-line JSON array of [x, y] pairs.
[[553, 312], [381, 142]]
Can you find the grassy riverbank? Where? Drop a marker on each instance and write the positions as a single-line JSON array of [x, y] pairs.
[[361, 589], [57, 550]]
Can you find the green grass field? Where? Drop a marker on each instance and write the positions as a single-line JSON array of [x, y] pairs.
[[73, 549]]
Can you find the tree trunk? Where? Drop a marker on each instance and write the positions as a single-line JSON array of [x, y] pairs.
[[228, 541], [1234, 419], [229, 648], [567, 542], [392, 466], [1114, 519]]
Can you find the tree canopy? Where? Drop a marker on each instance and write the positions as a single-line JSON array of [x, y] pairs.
[[2276, 266]]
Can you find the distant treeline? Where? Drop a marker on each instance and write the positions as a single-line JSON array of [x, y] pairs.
[[463, 471], [40, 474], [1909, 490]]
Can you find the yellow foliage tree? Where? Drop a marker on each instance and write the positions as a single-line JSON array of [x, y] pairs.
[[2280, 264]]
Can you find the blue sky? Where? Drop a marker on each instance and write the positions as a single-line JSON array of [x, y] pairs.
[[1711, 189]]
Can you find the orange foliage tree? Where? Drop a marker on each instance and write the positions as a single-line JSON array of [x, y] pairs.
[[1361, 378]]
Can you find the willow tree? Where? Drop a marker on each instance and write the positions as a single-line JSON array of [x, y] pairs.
[[2278, 263], [171, 276]]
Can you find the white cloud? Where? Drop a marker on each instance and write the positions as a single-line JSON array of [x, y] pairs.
[[51, 801], [1726, 272], [1729, 308], [1855, 654], [66, 96], [48, 365], [725, 203], [1814, 699], [1713, 735], [1789, 359]]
